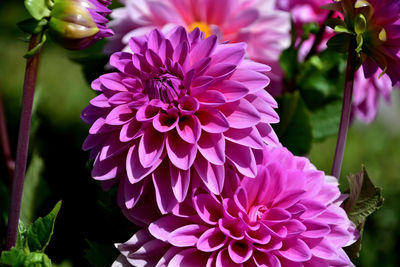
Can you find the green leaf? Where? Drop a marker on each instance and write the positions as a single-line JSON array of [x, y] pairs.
[[288, 61], [14, 257], [32, 26], [99, 255], [294, 129], [36, 49], [342, 29], [325, 121], [34, 189], [364, 199], [37, 8], [37, 259], [40, 232], [340, 42]]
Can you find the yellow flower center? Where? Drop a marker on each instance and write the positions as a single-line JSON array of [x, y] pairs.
[[204, 27]]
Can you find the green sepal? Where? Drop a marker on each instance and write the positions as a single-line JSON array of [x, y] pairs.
[[36, 49], [40, 232], [32, 26], [37, 259], [342, 29], [37, 8], [360, 24], [340, 42], [360, 42], [364, 199]]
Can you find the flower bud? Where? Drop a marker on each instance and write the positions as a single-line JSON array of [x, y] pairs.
[[77, 24]]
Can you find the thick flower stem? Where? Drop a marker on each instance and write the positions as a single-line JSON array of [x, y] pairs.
[[346, 111], [22, 146], [5, 143]]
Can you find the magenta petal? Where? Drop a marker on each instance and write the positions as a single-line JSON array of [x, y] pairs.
[[132, 192], [106, 169], [189, 257], [181, 153], [208, 208], [265, 259], [212, 175], [224, 260], [189, 129], [186, 236], [212, 147], [253, 80], [295, 250], [212, 98], [100, 126], [112, 81], [203, 49], [240, 114], [212, 120], [221, 71], [147, 113], [229, 53], [151, 146], [119, 115], [180, 181], [121, 98], [134, 168], [130, 131], [239, 251], [165, 197], [315, 229], [100, 101], [243, 159], [231, 90], [247, 137], [161, 228], [211, 240]]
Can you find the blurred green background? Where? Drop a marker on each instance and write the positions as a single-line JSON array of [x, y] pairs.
[[90, 215]]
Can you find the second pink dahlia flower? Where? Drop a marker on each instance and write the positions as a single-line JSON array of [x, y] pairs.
[[288, 215], [178, 103], [256, 22]]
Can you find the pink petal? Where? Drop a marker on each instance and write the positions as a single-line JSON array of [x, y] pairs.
[[165, 197], [131, 192], [186, 236], [188, 258], [212, 120], [208, 208], [120, 115], [315, 229], [211, 240], [229, 53], [180, 181], [165, 122], [147, 113], [212, 147], [130, 131], [162, 227], [239, 251], [231, 90], [100, 101], [212, 98], [203, 49], [240, 114], [189, 129], [243, 159], [247, 137], [151, 146], [221, 71], [253, 80], [134, 168], [181, 153], [106, 169], [212, 175], [295, 250], [188, 105], [224, 260]]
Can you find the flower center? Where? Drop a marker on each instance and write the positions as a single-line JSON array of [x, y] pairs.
[[204, 27], [165, 87], [257, 212]]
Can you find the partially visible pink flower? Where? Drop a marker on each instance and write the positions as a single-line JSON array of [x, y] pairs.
[[288, 215], [256, 22], [367, 93], [179, 104]]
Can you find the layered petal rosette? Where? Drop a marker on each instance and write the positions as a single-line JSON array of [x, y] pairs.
[[77, 24], [179, 103], [288, 215], [256, 22]]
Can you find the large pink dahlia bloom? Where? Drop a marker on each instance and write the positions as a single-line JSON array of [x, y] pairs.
[[288, 215], [256, 22], [178, 103]]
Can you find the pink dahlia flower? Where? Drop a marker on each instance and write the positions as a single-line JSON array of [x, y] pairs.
[[288, 215], [367, 93], [178, 102], [256, 22]]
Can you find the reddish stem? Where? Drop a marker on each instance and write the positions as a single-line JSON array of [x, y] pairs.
[[23, 144], [346, 111]]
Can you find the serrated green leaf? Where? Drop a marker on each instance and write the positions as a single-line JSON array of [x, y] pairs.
[[32, 26], [37, 8], [294, 129], [14, 257], [364, 199], [99, 255], [325, 121], [37, 259], [40, 232]]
